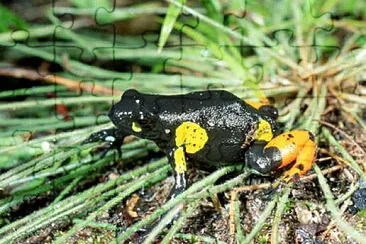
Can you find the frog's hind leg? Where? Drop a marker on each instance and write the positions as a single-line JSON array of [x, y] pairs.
[[294, 145]]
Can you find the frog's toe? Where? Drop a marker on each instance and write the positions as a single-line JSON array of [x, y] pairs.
[[103, 135], [112, 146], [109, 137]]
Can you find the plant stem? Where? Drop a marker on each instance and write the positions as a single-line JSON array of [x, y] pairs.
[[343, 152], [261, 221], [184, 196], [335, 212], [277, 217]]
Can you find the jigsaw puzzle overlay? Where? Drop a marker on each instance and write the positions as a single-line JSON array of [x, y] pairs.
[[182, 121]]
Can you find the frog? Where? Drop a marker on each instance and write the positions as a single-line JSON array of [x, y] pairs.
[[207, 130]]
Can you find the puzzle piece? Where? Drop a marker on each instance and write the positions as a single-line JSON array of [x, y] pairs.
[[177, 63], [239, 47]]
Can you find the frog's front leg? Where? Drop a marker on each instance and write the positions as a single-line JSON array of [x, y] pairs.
[[190, 138], [177, 158], [296, 145], [113, 137]]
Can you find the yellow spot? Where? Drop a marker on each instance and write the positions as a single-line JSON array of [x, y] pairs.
[[264, 131], [192, 136], [180, 161], [136, 127]]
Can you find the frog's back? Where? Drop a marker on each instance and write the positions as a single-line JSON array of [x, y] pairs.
[[225, 118], [211, 109], [196, 100]]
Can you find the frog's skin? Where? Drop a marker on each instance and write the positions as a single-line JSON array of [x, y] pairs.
[[208, 129]]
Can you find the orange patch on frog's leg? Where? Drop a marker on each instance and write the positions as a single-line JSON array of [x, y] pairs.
[[256, 105], [294, 145], [304, 162]]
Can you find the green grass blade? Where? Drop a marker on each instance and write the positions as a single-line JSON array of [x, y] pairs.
[[168, 23]]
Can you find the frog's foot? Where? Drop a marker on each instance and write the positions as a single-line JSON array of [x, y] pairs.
[[111, 137], [294, 145]]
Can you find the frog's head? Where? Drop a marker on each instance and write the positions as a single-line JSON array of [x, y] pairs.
[[133, 113]]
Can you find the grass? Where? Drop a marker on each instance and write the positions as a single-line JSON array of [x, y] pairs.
[[309, 56]]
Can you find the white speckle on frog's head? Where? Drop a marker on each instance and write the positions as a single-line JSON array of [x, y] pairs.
[[137, 101], [262, 163], [167, 131]]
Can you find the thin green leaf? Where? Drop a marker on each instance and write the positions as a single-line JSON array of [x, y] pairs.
[[169, 22], [10, 21], [91, 3]]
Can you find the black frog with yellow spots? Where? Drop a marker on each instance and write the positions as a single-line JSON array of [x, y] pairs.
[[208, 129]]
